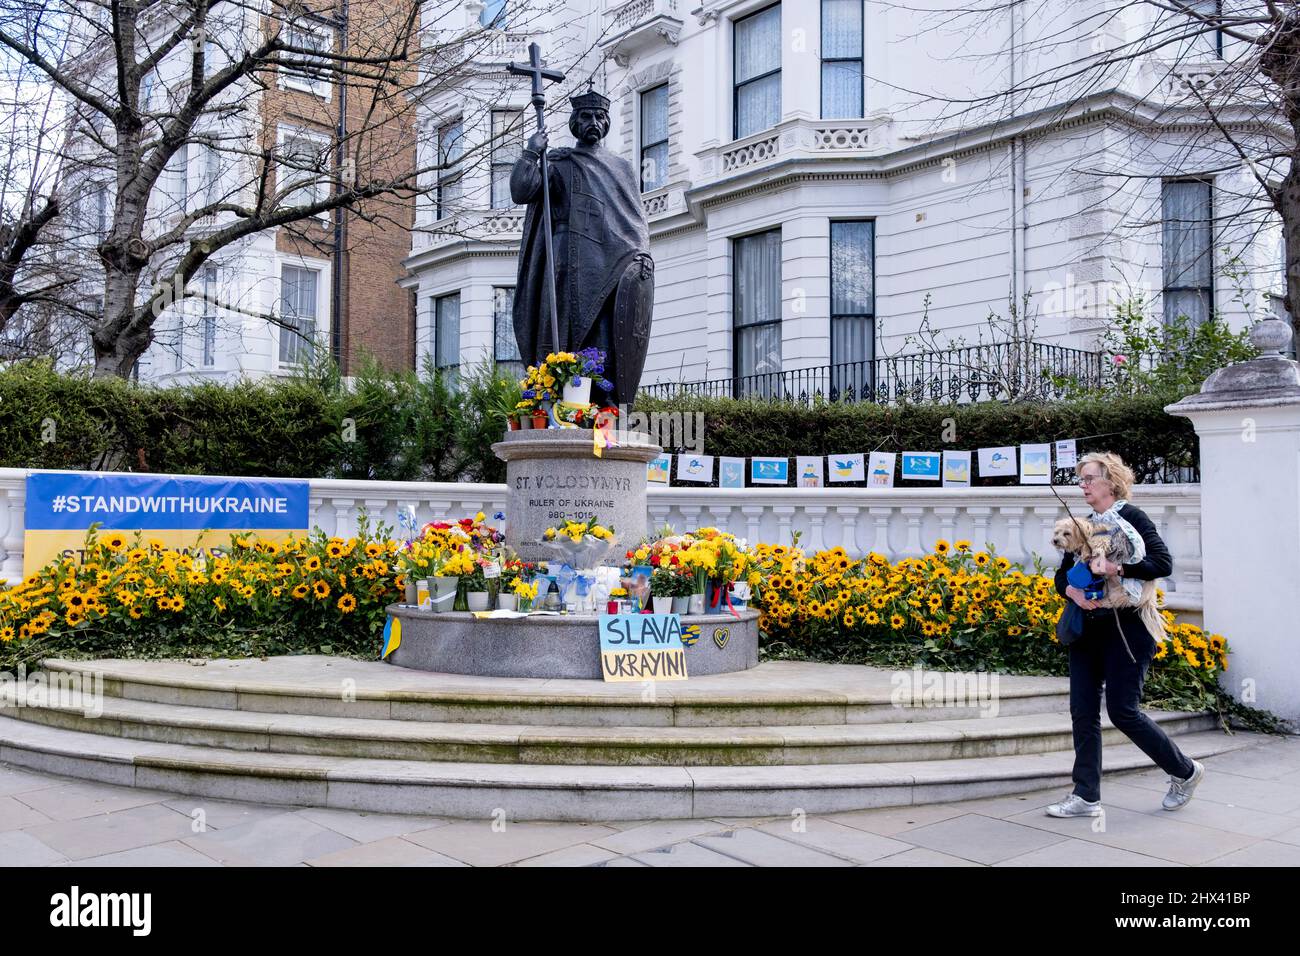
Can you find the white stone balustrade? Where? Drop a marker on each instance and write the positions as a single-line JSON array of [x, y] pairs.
[[898, 522], [796, 139]]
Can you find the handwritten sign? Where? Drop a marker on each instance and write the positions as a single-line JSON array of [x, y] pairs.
[[638, 647]]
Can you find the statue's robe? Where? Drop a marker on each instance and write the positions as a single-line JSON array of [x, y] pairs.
[[599, 228]]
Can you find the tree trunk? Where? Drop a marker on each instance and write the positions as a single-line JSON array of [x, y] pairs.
[[119, 340], [1289, 201]]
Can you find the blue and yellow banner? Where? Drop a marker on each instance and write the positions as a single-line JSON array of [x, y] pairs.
[[176, 511]]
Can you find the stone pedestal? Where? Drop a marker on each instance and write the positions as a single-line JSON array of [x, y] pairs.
[[1247, 417], [553, 474], [559, 646]]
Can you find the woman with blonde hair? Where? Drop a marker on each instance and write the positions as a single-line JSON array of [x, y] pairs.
[[1116, 648]]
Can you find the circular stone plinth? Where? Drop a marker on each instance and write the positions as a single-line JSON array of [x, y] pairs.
[[457, 642], [553, 474]]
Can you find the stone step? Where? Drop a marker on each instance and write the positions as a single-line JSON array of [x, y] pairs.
[[776, 693], [548, 791], [583, 745]]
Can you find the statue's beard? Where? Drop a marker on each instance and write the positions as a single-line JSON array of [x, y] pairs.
[[589, 134]]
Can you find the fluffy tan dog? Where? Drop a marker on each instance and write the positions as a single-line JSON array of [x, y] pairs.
[[1089, 539]]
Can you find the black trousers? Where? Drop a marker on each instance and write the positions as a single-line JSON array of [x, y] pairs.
[[1099, 658]]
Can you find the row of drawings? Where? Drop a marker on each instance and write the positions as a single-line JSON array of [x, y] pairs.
[[878, 469]]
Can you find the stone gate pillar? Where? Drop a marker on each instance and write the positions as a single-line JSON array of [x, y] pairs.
[[1247, 417]]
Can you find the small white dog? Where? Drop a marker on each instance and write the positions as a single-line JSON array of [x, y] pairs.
[[1090, 539]]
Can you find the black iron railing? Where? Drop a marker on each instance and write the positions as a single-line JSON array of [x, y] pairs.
[[999, 372]]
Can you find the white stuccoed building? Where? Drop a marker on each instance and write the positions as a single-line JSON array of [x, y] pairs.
[[825, 178]]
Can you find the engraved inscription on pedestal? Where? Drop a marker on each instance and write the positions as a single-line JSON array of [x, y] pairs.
[[553, 475]]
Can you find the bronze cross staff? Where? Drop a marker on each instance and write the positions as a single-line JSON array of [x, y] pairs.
[[535, 70]]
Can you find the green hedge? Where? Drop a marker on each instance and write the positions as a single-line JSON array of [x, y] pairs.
[[386, 426], [1134, 426], [406, 427]]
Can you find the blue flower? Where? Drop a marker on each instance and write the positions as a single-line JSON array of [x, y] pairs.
[[499, 516], [529, 393]]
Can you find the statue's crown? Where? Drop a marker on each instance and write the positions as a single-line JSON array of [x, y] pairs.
[[589, 99]]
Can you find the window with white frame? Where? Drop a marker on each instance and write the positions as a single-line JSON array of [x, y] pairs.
[[756, 312], [1205, 38], [310, 74], [507, 142], [505, 350], [94, 209], [1187, 219], [654, 137], [450, 149], [299, 288], [756, 41], [853, 307], [446, 337], [211, 174], [147, 84], [177, 187], [208, 322], [304, 168], [841, 49]]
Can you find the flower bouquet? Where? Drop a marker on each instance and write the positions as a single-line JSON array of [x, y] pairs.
[[576, 372], [537, 392], [719, 560], [525, 593], [580, 544]]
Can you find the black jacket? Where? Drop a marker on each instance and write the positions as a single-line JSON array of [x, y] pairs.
[[1157, 564]]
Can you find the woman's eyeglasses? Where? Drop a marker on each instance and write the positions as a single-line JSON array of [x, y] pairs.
[[1089, 479]]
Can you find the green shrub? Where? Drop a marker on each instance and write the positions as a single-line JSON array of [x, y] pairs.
[[400, 426]]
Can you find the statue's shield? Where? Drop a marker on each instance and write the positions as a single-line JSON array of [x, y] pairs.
[[633, 305]]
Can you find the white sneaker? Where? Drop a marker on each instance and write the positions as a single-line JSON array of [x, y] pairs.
[[1180, 791], [1075, 806]]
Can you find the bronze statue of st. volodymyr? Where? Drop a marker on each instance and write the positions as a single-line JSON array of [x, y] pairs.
[[604, 276]]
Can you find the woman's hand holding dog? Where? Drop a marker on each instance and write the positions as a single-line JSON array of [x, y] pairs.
[[1076, 595]]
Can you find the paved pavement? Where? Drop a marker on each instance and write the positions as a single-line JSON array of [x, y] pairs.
[[1245, 813]]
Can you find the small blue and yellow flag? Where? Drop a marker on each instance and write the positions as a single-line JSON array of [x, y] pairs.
[[392, 636]]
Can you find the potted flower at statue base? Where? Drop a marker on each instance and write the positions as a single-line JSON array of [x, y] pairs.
[[575, 373], [447, 587], [718, 600], [577, 390], [663, 584], [442, 592], [617, 597], [505, 394], [512, 569], [525, 593], [474, 586]]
